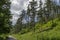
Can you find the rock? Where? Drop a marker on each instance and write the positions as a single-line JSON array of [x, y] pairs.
[[10, 38]]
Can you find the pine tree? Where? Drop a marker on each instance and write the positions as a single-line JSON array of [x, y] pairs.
[[40, 12], [28, 14], [19, 24], [33, 8], [5, 16], [48, 9]]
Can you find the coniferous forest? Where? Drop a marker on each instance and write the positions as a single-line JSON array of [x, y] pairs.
[[41, 21]]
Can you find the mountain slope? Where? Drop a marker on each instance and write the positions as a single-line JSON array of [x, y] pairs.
[[51, 34]]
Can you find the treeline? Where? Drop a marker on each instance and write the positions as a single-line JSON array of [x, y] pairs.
[[37, 13], [5, 16]]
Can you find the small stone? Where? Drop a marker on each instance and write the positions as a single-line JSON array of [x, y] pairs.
[[10, 38]]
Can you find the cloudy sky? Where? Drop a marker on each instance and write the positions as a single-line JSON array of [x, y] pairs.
[[17, 6]]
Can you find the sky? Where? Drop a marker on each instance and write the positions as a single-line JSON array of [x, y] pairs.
[[17, 6]]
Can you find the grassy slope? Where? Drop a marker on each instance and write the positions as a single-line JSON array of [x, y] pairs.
[[53, 34]]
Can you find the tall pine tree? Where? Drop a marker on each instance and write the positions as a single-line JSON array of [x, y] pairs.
[[33, 7], [19, 25], [40, 12], [28, 14], [5, 16], [48, 6]]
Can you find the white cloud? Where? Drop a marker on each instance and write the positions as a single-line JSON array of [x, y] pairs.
[[17, 6]]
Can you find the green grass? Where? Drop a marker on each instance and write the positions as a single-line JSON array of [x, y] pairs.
[[53, 34]]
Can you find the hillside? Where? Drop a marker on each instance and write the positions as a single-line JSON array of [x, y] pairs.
[[45, 32]]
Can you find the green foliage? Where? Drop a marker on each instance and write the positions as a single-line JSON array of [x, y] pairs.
[[32, 12], [38, 25], [1, 38], [39, 31], [40, 12], [23, 31], [52, 34], [5, 16]]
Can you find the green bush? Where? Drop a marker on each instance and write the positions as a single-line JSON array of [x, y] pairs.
[[24, 31], [1, 38]]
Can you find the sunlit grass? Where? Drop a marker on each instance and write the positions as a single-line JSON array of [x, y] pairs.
[[53, 34]]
